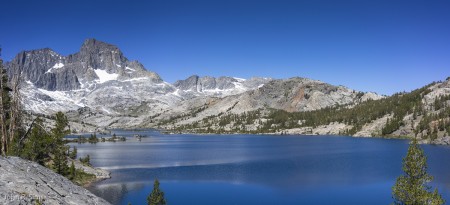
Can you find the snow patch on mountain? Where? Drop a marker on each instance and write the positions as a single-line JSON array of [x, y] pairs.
[[56, 66], [238, 85], [56, 95], [239, 79], [104, 76], [136, 79], [131, 69]]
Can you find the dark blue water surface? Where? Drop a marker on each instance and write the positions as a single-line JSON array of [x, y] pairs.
[[256, 169]]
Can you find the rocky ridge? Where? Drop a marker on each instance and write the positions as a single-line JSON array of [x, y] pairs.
[[422, 113], [96, 61], [218, 87]]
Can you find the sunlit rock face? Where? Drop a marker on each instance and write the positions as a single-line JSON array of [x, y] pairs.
[[99, 77], [25, 182], [219, 87]]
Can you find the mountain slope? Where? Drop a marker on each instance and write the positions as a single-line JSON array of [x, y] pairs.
[[98, 77], [291, 95], [424, 113]]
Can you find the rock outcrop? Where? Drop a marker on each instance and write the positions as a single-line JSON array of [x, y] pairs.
[[100, 174], [303, 94], [25, 182], [45, 68]]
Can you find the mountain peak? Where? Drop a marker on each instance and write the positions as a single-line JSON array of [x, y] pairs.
[[92, 44], [48, 70]]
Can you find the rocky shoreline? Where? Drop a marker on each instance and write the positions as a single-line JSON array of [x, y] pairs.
[[100, 174], [320, 131], [26, 182]]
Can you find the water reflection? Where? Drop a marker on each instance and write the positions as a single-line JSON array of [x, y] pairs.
[[291, 169]]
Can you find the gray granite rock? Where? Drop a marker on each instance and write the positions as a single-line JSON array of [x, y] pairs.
[[220, 86], [51, 71], [25, 182], [100, 174]]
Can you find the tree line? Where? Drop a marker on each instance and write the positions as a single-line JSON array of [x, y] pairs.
[[434, 119]]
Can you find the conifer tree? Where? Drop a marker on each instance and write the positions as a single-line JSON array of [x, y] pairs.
[[411, 188], [93, 138], [157, 196], [5, 104], [86, 160], [72, 171], [10, 110], [60, 161], [59, 149], [37, 144], [73, 154]]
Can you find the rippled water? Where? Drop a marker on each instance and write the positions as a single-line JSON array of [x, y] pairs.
[[256, 169]]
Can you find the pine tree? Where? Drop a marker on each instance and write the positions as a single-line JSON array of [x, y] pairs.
[[411, 188], [37, 144], [157, 196], [434, 134], [5, 103], [61, 123], [10, 111], [73, 154], [59, 149], [60, 161], [93, 139], [72, 171], [86, 160]]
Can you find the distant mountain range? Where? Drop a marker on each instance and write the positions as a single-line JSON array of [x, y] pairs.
[[101, 79], [99, 87]]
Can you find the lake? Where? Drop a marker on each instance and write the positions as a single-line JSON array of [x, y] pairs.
[[256, 169]]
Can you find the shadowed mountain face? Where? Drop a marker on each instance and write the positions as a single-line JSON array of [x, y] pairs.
[[37, 66], [196, 83]]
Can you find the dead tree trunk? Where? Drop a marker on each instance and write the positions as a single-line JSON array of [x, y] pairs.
[[3, 118], [15, 108]]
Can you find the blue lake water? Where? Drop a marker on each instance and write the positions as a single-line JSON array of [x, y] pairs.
[[256, 169]]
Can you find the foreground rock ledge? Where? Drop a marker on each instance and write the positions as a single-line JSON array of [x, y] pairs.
[[26, 182]]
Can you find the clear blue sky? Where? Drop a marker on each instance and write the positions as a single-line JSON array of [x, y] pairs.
[[369, 45]]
